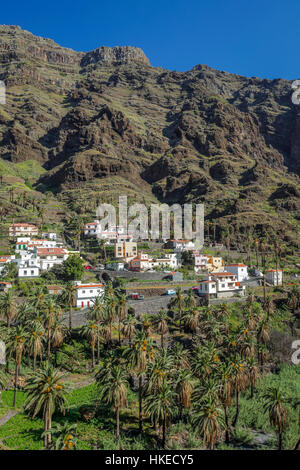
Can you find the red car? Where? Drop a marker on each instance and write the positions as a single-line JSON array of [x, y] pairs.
[[88, 267]]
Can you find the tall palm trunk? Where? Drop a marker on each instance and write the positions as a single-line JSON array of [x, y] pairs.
[[162, 341], [280, 440], [140, 405], [119, 332], [98, 349], [237, 409], [16, 384], [227, 434], [70, 316], [164, 433], [45, 430], [48, 344], [117, 422], [93, 356]]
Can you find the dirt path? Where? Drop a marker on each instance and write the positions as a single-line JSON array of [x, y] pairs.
[[10, 414]]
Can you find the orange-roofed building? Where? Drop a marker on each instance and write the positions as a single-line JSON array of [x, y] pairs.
[[87, 293], [239, 269]]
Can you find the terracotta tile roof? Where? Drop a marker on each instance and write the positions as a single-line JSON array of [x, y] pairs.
[[21, 224], [240, 265], [51, 251], [89, 285], [225, 274], [273, 270]]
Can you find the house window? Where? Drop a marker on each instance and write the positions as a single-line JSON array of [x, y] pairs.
[[83, 291], [222, 285], [25, 273], [91, 291], [32, 272]]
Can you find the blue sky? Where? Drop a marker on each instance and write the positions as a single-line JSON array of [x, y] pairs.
[[252, 38]]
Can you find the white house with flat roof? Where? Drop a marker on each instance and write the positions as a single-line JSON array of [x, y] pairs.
[[240, 270], [274, 277], [86, 294], [220, 285], [28, 271]]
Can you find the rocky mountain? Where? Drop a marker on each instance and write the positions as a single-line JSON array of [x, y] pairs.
[[106, 122]]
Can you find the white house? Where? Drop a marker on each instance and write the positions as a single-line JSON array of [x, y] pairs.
[[220, 285], [22, 229], [92, 228], [23, 239], [142, 262], [274, 277], [115, 265], [50, 235], [44, 243], [51, 256], [87, 293], [181, 245], [240, 270], [28, 271]]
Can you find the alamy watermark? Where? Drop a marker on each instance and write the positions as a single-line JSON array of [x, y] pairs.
[[2, 353], [296, 93], [296, 355], [184, 222], [2, 92]]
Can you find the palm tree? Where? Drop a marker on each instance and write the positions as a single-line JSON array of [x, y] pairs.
[[64, 436], [16, 344], [113, 390], [59, 332], [253, 373], [36, 338], [121, 313], [97, 313], [91, 332], [277, 413], [46, 392], [191, 319], [208, 418], [225, 395], [178, 303], [138, 355], [69, 295], [160, 406], [3, 381], [129, 327], [184, 388], [8, 307], [190, 301], [161, 324], [50, 314], [239, 383]]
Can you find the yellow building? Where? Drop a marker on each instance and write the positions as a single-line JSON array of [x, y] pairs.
[[126, 250]]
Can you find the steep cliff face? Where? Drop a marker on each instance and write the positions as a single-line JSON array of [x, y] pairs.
[[202, 135]]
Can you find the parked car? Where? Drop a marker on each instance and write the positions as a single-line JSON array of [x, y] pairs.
[[99, 267], [133, 295], [170, 292], [141, 297]]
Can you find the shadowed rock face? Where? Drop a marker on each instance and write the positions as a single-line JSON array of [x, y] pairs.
[[202, 135]]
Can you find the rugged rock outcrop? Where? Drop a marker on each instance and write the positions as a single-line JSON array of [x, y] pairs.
[[202, 135]]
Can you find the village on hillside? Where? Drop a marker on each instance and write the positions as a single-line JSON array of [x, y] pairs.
[[37, 252], [95, 311]]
